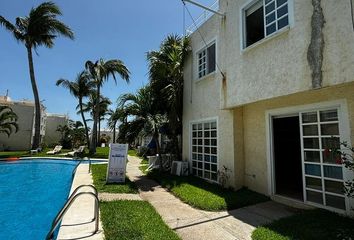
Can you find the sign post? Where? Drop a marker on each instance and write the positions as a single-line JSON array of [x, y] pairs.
[[117, 163]]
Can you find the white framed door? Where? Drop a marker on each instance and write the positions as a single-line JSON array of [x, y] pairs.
[[323, 173], [323, 125]]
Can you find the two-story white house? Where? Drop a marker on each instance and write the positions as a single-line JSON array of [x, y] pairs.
[[267, 89]]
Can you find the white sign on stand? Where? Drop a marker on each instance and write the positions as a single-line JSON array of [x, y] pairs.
[[117, 163]]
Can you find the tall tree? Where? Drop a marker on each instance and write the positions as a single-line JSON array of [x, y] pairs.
[[80, 88], [166, 79], [40, 28], [90, 107], [142, 111], [100, 72], [8, 121], [118, 115]]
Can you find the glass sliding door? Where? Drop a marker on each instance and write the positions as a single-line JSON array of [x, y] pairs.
[[322, 169]]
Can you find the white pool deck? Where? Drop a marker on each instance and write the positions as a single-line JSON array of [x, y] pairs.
[[77, 222]]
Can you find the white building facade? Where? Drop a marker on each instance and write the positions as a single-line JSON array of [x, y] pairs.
[[53, 121], [251, 103], [25, 110]]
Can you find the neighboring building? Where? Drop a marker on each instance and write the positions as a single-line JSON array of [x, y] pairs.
[[52, 136], [22, 140], [108, 134], [264, 120]]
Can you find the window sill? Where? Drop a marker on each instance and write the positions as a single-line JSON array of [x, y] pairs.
[[205, 77], [266, 39]]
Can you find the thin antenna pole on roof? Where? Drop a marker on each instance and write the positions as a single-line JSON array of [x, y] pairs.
[[204, 7]]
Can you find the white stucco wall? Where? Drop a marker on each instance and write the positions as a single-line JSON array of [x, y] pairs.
[[22, 139], [52, 136], [278, 66], [201, 100]]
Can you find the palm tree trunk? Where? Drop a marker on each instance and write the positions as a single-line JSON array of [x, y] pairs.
[[114, 132], [85, 124], [155, 136], [37, 119], [99, 130], [94, 128]]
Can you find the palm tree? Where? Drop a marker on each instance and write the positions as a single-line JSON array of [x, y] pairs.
[[141, 108], [104, 111], [80, 88], [166, 78], [100, 72], [39, 28], [90, 106], [8, 120], [118, 115]]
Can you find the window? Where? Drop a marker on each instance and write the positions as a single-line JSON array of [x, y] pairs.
[[206, 60], [323, 173], [204, 150], [264, 18]]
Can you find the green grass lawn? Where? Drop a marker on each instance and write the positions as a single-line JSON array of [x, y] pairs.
[[308, 225], [144, 165], [101, 152], [203, 195], [27, 153], [133, 220], [132, 152], [99, 172]]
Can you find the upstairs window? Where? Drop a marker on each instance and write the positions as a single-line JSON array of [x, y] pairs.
[[207, 60], [264, 18]]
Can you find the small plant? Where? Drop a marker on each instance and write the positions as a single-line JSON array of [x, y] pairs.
[[224, 176], [343, 154]]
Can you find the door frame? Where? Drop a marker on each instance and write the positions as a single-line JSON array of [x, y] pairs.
[[296, 110]]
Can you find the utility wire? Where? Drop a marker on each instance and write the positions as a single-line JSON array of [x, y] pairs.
[[352, 12], [202, 37]]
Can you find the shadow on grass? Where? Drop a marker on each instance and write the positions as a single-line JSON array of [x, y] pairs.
[[308, 225], [204, 195]]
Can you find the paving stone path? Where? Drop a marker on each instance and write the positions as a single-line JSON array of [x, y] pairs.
[[194, 224]]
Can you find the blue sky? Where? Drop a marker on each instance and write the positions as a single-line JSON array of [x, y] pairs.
[[103, 29]]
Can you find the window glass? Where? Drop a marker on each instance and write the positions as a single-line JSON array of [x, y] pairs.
[[311, 143], [254, 24], [312, 156], [329, 115], [282, 11], [264, 18], [207, 60], [330, 129], [283, 23], [333, 172], [314, 197], [310, 130], [334, 187], [211, 58], [309, 117], [334, 201], [314, 183], [204, 150], [271, 28], [311, 169]]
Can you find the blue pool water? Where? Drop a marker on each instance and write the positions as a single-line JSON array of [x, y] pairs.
[[31, 194]]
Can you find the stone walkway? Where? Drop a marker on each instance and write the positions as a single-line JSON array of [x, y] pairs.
[[188, 222], [194, 224]]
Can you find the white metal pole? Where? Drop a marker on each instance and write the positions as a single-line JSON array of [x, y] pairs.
[[204, 7]]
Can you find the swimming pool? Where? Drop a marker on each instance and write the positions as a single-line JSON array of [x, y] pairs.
[[31, 194]]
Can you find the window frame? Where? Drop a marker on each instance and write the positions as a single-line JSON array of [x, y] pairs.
[[243, 35], [205, 48], [203, 121]]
